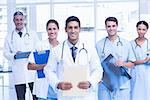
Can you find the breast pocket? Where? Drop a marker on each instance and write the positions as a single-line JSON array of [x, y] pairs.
[[121, 52], [27, 39], [29, 43]]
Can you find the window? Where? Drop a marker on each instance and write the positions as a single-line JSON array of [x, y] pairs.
[[91, 13], [127, 14], [84, 11], [3, 31]]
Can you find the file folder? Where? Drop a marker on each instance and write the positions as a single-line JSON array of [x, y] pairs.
[[75, 75], [41, 57], [22, 55], [112, 75], [147, 63]]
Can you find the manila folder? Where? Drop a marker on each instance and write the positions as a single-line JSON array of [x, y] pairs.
[[75, 75]]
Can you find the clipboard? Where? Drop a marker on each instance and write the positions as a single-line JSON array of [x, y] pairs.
[[22, 55], [112, 74], [41, 57], [75, 75], [147, 63]]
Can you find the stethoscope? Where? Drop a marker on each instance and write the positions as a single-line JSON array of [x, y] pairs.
[[12, 36], [12, 39], [137, 45], [81, 50], [119, 43]]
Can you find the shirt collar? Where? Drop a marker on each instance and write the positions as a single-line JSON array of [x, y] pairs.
[[71, 45], [23, 30]]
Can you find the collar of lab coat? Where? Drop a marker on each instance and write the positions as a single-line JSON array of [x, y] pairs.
[[23, 30], [71, 45], [67, 54]]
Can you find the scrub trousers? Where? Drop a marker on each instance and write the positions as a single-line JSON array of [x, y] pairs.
[[105, 94]]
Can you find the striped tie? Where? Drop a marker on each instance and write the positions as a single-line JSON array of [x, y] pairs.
[[74, 52]]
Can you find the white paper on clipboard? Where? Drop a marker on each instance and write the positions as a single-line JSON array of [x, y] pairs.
[[75, 75]]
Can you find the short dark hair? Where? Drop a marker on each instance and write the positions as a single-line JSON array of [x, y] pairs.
[[142, 22], [72, 18], [18, 13], [114, 19], [52, 21]]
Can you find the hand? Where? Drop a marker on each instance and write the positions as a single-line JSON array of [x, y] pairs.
[[84, 85], [99, 82], [146, 59], [41, 66], [33, 66], [119, 63], [64, 85], [16, 54]]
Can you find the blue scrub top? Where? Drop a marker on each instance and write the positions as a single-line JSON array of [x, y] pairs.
[[120, 50]]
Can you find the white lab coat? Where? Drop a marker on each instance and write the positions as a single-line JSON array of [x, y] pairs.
[[13, 43], [54, 68], [41, 85]]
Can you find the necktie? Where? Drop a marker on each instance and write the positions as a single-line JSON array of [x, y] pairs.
[[74, 52], [20, 34]]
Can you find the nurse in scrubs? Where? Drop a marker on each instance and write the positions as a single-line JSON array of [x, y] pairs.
[[123, 57], [42, 89], [140, 84]]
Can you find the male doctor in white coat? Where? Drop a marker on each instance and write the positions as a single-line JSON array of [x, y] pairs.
[[63, 58], [20, 40]]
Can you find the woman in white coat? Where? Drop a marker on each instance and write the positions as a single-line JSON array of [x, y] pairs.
[[87, 57], [41, 89], [15, 43]]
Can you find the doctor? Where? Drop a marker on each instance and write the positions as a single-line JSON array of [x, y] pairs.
[[42, 89], [122, 51], [140, 83], [20, 40], [63, 58]]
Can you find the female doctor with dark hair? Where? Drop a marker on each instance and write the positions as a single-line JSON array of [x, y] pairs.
[[140, 83], [41, 88]]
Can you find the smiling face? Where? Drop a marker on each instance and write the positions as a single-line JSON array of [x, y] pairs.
[[19, 22], [52, 30], [111, 28], [73, 30], [141, 30]]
